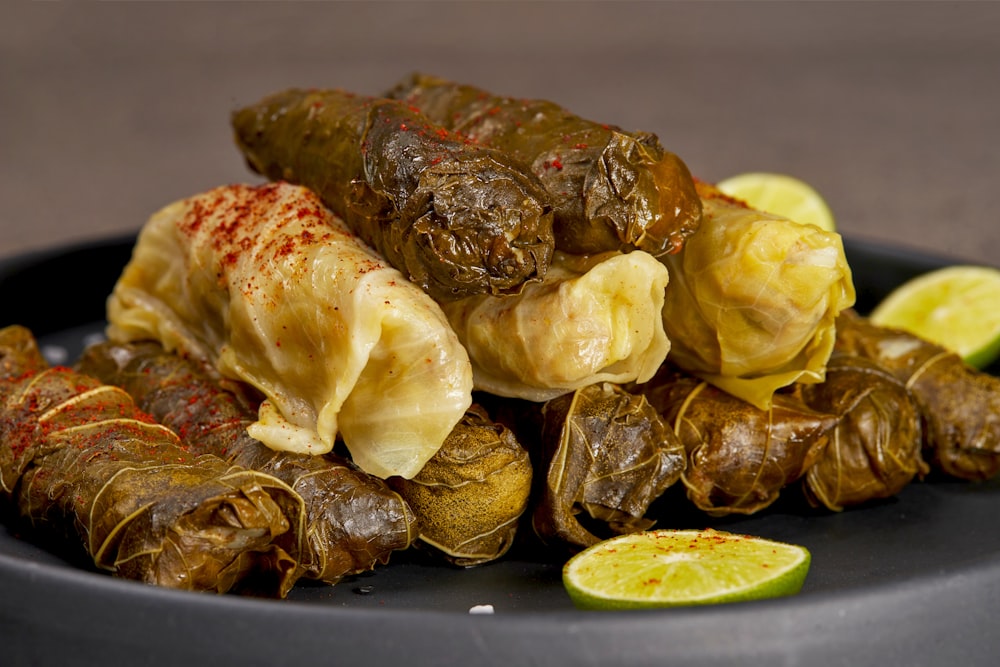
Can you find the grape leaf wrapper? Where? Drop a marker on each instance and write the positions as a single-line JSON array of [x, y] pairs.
[[740, 457], [471, 494], [960, 405], [875, 447], [605, 456], [611, 189], [353, 521], [83, 465], [456, 218]]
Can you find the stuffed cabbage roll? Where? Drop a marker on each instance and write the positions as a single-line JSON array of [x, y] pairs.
[[472, 492], [611, 189], [874, 449], [959, 404], [270, 288], [740, 457], [455, 218], [592, 319], [82, 464], [353, 521], [753, 299], [604, 456]]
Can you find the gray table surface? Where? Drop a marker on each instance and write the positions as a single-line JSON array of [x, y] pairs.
[[110, 111]]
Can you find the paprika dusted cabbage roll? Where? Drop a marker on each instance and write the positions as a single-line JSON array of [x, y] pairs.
[[874, 448], [471, 494], [959, 404], [611, 189], [454, 217], [352, 520], [740, 457], [592, 319], [753, 299], [272, 289], [82, 463], [604, 456]]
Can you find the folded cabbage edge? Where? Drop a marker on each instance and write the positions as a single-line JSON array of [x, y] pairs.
[[268, 286], [82, 465], [353, 521], [593, 319], [753, 300]]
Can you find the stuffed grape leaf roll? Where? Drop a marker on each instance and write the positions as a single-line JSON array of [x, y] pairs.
[[455, 218], [753, 299], [593, 319], [611, 189], [471, 494], [604, 455], [874, 449], [81, 462], [269, 287], [353, 521], [959, 404], [740, 457]]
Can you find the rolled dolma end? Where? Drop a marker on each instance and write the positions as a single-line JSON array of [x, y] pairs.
[[456, 218], [605, 455], [611, 189], [270, 288], [753, 300], [960, 405], [353, 521], [739, 457], [83, 464], [874, 449], [19, 353], [471, 494], [593, 319]]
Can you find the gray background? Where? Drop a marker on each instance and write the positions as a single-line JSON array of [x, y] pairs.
[[109, 111]]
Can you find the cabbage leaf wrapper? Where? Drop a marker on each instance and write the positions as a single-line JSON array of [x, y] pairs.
[[270, 288], [753, 300], [740, 457], [604, 456], [960, 405], [353, 521], [455, 218], [81, 463], [875, 447], [471, 494], [611, 189], [593, 319]]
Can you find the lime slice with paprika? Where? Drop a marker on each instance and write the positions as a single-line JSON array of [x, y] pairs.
[[669, 568], [782, 195], [957, 307]]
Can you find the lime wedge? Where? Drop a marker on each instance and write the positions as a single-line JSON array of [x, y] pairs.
[[957, 307], [781, 195], [669, 568]]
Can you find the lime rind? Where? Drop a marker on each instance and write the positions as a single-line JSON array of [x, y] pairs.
[[781, 194], [957, 307], [669, 568]]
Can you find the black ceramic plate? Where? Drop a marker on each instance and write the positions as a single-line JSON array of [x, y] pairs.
[[912, 580]]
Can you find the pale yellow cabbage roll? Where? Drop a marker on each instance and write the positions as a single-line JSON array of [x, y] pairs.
[[593, 319], [753, 298], [272, 289]]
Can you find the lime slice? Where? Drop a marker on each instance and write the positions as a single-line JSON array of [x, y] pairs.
[[669, 568], [957, 307], [781, 195]]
